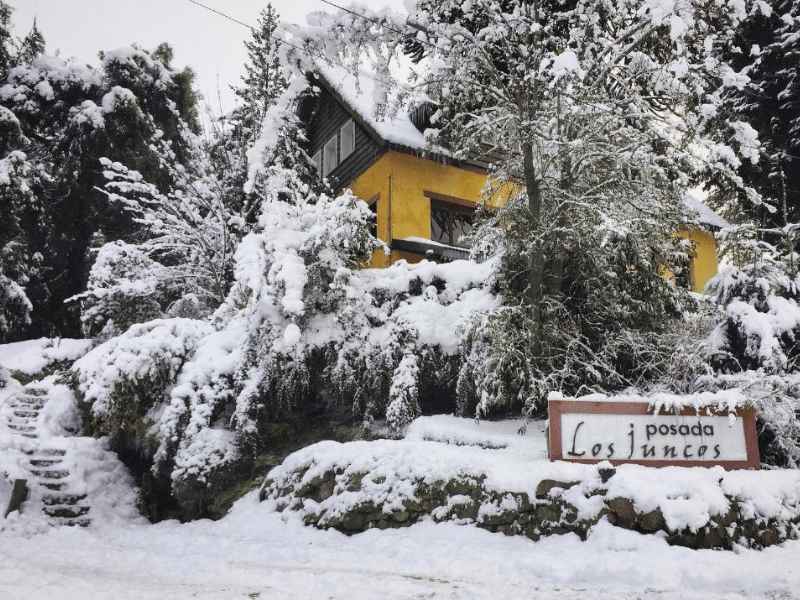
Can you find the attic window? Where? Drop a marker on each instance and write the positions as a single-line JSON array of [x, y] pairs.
[[330, 158], [336, 149]]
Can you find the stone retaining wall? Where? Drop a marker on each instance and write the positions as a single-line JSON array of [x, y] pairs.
[[335, 499]]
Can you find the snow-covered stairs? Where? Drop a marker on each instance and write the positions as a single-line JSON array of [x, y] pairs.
[[49, 483]]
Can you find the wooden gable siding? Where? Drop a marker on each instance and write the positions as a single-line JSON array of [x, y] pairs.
[[328, 117]]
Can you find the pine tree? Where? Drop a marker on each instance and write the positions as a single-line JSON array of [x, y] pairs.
[[264, 79], [32, 46], [237, 133], [767, 51]]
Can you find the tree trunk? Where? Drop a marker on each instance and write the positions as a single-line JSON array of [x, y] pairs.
[[536, 267]]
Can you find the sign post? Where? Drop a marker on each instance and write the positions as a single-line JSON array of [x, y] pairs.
[[589, 431]]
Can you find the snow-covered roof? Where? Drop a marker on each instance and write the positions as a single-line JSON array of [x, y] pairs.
[[365, 97], [706, 216]]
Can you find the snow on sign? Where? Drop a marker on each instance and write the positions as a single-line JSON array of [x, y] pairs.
[[630, 432]]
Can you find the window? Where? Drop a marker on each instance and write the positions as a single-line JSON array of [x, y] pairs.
[[336, 149], [318, 160], [450, 223], [330, 157], [348, 137], [373, 224], [686, 277]]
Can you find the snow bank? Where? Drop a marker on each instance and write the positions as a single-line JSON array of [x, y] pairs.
[[33, 356]]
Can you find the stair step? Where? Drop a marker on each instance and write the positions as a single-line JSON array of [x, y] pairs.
[[33, 436], [26, 414], [70, 522], [53, 486], [22, 428], [50, 473], [33, 391], [65, 511], [65, 499], [44, 452], [27, 403], [45, 462]]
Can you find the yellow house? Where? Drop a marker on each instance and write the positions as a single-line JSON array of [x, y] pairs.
[[424, 201]]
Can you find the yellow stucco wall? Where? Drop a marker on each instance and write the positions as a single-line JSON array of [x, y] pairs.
[[403, 209], [703, 265]]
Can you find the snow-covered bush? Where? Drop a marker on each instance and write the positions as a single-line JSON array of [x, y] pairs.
[[197, 449], [5, 377], [123, 378], [755, 346], [283, 280], [124, 288], [404, 329]]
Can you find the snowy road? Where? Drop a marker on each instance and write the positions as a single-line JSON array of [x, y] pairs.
[[254, 553]]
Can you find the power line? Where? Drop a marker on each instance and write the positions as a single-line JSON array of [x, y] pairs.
[[222, 14], [305, 51]]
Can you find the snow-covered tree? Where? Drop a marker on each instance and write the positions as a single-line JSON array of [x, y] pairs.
[[264, 79], [18, 214], [286, 270], [237, 132], [6, 51], [766, 50], [134, 109], [601, 114], [182, 264]]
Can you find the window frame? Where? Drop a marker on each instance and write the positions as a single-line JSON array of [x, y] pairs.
[[336, 149], [451, 210], [317, 158]]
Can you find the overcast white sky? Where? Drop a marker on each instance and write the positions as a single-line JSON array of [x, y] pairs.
[[212, 45]]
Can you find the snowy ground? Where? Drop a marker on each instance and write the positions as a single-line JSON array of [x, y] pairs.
[[257, 553], [254, 553]]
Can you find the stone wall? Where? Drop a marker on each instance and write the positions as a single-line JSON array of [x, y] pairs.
[[346, 501]]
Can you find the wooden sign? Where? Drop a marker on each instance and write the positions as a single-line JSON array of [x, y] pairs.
[[628, 432]]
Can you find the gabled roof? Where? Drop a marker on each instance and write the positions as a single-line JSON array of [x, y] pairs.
[[362, 96]]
